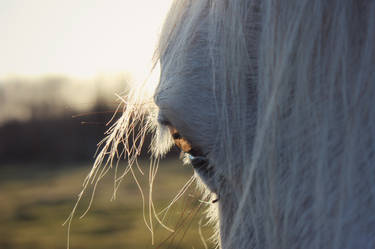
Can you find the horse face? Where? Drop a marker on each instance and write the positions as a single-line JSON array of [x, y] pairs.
[[184, 95], [185, 98], [192, 98], [303, 181]]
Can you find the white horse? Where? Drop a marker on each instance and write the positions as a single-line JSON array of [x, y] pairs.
[[274, 101]]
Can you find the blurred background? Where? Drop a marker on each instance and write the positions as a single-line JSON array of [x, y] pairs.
[[61, 64]]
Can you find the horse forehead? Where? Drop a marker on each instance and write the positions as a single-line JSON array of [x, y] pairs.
[[183, 91], [184, 61], [185, 78], [184, 94]]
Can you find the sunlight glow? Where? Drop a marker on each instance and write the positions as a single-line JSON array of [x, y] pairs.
[[79, 38]]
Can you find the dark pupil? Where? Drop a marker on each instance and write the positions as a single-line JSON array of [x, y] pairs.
[[176, 136]]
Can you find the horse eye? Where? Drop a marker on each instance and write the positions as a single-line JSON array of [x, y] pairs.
[[183, 144]]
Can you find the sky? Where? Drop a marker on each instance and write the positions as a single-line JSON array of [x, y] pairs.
[[78, 38]]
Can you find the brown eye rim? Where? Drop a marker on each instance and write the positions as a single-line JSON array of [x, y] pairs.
[[182, 143]]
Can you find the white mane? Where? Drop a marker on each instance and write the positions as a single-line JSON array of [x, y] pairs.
[[292, 131], [280, 96]]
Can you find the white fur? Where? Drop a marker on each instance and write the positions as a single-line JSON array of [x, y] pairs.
[[280, 96]]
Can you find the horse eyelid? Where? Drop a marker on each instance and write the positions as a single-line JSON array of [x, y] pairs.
[[164, 122], [183, 144]]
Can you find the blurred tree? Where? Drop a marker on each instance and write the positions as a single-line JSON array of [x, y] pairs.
[[53, 133]]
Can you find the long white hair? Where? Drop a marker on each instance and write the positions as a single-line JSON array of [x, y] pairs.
[[280, 96]]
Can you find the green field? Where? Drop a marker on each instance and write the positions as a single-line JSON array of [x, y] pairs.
[[35, 201]]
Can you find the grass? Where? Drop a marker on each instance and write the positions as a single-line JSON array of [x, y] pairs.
[[35, 201]]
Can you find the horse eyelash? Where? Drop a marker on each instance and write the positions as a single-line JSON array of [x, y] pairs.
[[196, 158], [198, 161]]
